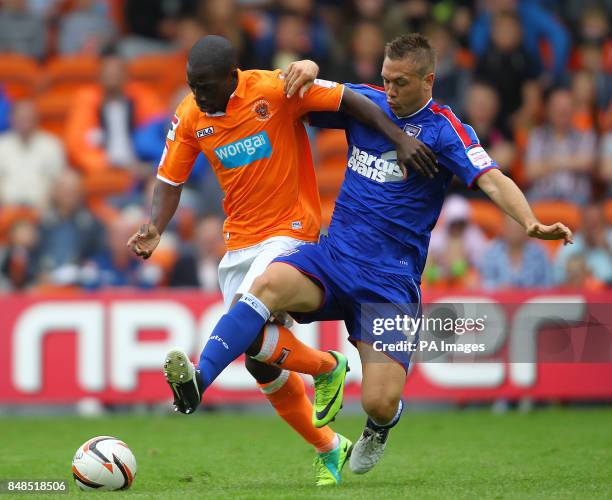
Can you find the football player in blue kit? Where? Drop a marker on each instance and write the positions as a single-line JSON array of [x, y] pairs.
[[378, 238]]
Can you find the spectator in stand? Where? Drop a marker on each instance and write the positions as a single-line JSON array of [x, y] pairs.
[[578, 277], [537, 25], [560, 160], [85, 29], [455, 247], [152, 24], [198, 264], [18, 264], [69, 233], [293, 31], [507, 66], [101, 124], [605, 169], [593, 242], [30, 159], [408, 16], [5, 111], [21, 31], [514, 261], [451, 79], [586, 113], [117, 266], [482, 108], [223, 17], [364, 60]]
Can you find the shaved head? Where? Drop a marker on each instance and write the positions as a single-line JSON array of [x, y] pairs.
[[212, 54], [212, 73]]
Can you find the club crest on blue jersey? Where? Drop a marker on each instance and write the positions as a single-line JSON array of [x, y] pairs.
[[412, 130]]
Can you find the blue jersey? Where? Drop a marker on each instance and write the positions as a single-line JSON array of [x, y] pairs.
[[381, 219]]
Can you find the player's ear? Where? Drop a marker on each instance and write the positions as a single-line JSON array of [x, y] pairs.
[[428, 81]]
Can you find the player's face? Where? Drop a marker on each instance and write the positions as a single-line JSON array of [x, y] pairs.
[[211, 91], [406, 87]]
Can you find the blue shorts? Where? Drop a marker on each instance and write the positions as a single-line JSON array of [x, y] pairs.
[[361, 296]]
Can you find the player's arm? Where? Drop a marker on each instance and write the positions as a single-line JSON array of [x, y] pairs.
[[179, 155], [165, 202], [410, 151], [506, 195]]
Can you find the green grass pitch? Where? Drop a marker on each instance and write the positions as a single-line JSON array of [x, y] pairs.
[[470, 454]]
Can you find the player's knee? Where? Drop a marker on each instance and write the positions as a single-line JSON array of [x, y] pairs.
[[267, 288], [380, 407]]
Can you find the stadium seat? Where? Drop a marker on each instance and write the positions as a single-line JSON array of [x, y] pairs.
[[19, 75], [11, 214], [68, 73], [608, 211], [164, 73], [53, 109], [331, 150], [487, 216], [549, 212], [327, 209], [107, 182]]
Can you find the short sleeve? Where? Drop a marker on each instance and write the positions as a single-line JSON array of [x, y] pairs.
[[460, 151], [181, 149], [323, 95]]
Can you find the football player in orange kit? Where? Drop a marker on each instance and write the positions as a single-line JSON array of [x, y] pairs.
[[252, 134]]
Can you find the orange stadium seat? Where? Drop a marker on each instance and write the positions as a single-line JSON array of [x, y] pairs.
[[608, 211], [10, 215], [68, 73], [19, 75], [549, 212], [53, 109], [164, 73], [106, 182], [327, 209], [331, 149], [486, 215]]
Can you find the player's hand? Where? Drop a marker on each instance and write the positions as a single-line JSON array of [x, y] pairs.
[[556, 231], [145, 241], [300, 75], [412, 153]]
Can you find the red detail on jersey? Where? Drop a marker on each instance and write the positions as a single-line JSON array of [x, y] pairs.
[[455, 123], [375, 87]]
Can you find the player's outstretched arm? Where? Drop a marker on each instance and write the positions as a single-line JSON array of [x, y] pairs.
[[411, 153], [506, 195], [165, 201]]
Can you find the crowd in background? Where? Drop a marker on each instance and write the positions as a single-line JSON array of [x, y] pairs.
[[533, 78]]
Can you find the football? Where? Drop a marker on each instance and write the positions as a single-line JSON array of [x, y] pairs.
[[104, 463]]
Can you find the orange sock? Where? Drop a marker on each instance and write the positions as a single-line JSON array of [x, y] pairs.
[[288, 396], [281, 348]]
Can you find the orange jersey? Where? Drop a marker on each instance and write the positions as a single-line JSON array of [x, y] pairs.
[[260, 153]]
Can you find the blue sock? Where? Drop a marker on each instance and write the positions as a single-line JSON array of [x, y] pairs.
[[234, 333]]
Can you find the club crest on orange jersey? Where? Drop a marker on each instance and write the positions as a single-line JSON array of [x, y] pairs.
[[262, 110]]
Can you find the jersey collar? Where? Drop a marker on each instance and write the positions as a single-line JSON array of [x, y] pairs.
[[241, 87], [415, 113]]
